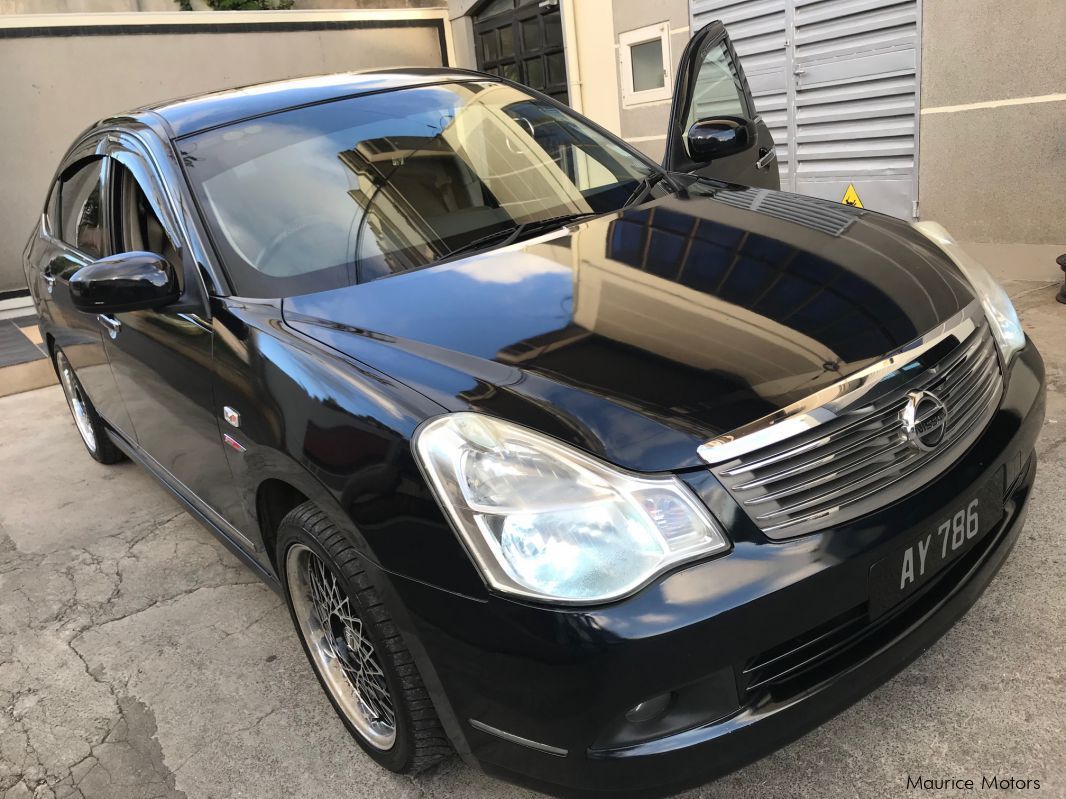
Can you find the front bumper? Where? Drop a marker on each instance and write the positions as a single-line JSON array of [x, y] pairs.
[[757, 647]]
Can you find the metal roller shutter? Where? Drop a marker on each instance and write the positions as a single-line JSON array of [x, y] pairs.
[[836, 81]]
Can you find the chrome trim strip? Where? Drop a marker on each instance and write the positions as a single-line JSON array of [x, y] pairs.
[[950, 383], [820, 460], [874, 488], [517, 739], [872, 482], [196, 320], [842, 470], [825, 405], [810, 446]]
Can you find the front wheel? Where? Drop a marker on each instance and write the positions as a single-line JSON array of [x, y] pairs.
[[355, 648]]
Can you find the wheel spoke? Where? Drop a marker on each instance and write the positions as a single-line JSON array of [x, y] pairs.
[[345, 654]]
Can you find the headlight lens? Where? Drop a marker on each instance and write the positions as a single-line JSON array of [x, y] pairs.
[[546, 521], [1006, 326]]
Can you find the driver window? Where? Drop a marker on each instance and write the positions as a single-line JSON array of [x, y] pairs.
[[137, 223], [718, 91]]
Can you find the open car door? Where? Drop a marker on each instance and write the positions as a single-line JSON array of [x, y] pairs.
[[714, 130]]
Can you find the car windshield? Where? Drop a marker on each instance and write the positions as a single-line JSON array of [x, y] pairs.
[[364, 187]]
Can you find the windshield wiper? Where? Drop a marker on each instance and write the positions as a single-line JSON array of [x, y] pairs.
[[501, 238], [644, 187]]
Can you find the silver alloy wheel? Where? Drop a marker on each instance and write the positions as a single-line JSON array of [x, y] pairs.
[[76, 401], [341, 650]]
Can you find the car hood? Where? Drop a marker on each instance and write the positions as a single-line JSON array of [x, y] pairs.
[[639, 335]]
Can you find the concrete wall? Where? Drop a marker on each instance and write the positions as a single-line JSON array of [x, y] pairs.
[[991, 172], [104, 6], [83, 6], [54, 86], [645, 125], [344, 5]]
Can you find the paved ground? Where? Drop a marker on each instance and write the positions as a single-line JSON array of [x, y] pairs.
[[139, 659]]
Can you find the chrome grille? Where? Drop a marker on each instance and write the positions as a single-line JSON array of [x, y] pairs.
[[860, 461]]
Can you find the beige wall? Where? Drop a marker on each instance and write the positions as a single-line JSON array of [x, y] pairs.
[[593, 72], [993, 173], [83, 6], [55, 87], [645, 125], [99, 6]]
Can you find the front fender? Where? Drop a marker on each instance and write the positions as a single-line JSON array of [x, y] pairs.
[[339, 432]]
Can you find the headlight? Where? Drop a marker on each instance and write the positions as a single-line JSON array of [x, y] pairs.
[[998, 308], [546, 521]]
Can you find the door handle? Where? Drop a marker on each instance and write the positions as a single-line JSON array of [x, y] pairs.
[[49, 282], [110, 323], [766, 157]]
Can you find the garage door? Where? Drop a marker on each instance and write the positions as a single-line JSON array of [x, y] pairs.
[[836, 81]]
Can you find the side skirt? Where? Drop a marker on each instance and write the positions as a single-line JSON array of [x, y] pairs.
[[138, 456]]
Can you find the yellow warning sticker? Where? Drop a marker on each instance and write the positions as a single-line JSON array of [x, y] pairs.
[[851, 197]]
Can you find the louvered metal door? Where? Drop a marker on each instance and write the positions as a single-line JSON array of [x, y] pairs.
[[836, 82]]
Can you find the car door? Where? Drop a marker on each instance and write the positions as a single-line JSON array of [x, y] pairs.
[[710, 85], [72, 235], [162, 358]]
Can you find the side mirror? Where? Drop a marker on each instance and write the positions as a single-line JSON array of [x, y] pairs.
[[131, 281], [709, 139]]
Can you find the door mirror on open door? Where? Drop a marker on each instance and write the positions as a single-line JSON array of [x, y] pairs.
[[131, 281], [714, 129], [709, 139]]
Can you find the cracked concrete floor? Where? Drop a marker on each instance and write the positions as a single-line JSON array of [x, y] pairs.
[[138, 658]]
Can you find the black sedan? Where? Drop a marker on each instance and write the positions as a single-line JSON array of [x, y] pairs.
[[608, 476]]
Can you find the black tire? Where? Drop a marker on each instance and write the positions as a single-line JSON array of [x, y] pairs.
[[419, 740], [87, 421]]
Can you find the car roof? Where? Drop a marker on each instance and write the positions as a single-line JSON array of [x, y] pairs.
[[193, 114]]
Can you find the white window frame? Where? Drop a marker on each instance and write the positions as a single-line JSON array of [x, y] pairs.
[[627, 40]]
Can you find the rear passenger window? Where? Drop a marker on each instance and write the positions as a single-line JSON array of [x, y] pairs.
[[81, 207]]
